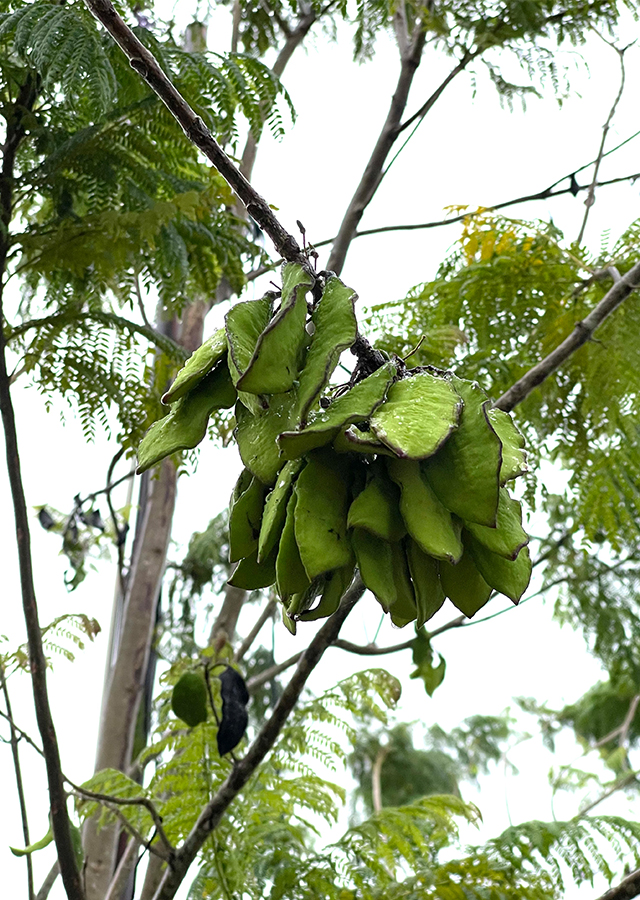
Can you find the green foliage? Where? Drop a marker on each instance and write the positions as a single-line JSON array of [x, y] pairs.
[[599, 590], [584, 846], [112, 208], [407, 773], [62, 43], [510, 293], [447, 759], [422, 653], [477, 742], [603, 710], [62, 637]]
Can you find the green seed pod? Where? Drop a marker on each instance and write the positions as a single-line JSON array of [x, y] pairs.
[[189, 699]]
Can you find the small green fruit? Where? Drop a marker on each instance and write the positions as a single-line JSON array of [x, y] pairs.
[[189, 699]]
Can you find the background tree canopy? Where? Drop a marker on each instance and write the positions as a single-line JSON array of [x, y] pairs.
[[120, 249]]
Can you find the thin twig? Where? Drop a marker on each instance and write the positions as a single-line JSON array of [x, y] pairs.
[[15, 753], [49, 882], [359, 649], [108, 487], [546, 194], [254, 683], [616, 786], [264, 741], [371, 649], [622, 731], [581, 333], [265, 615], [591, 196], [23, 734], [130, 801], [136, 284], [133, 831]]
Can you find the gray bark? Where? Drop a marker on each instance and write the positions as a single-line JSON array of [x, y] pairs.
[[131, 643]]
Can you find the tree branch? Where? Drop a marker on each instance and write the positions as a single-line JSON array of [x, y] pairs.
[[145, 64], [616, 786], [265, 615], [15, 753], [626, 890], [359, 649], [109, 800], [123, 870], [591, 198], [469, 56], [16, 129], [546, 194], [49, 881], [293, 40], [242, 770], [376, 778], [622, 731], [581, 333], [254, 683], [373, 172], [371, 649]]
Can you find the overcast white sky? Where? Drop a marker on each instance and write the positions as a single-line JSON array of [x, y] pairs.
[[469, 151]]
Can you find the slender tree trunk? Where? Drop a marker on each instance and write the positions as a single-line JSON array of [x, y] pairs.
[[131, 645], [376, 778], [16, 116]]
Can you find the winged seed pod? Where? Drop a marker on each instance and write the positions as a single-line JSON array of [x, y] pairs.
[[401, 474], [189, 699]]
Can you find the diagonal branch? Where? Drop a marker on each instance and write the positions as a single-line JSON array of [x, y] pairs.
[[146, 65], [48, 882], [294, 37], [266, 614], [628, 888], [581, 333], [546, 194], [373, 172], [469, 56], [244, 769]]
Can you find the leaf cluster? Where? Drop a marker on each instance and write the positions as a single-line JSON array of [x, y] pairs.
[[509, 293], [112, 210], [520, 32]]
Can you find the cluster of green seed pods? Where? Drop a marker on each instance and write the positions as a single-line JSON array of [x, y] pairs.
[[401, 474]]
